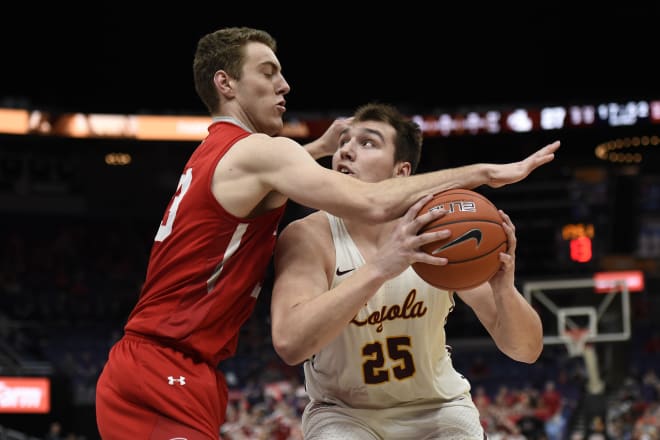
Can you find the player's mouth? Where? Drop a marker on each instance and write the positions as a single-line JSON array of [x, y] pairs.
[[345, 170]]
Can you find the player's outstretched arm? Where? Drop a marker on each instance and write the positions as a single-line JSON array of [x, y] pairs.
[[264, 165], [408, 189]]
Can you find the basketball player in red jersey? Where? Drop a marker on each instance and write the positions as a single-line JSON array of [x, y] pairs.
[[218, 233]]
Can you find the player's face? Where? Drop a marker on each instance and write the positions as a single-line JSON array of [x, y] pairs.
[[366, 151], [260, 91]]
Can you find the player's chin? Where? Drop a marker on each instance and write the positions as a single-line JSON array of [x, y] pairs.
[[274, 126]]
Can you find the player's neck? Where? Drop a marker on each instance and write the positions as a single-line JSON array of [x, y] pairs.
[[369, 232], [231, 120]]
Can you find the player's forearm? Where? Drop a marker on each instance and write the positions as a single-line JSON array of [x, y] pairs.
[[409, 190], [394, 196], [518, 331]]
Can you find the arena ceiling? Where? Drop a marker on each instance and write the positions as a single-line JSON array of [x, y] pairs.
[[116, 59]]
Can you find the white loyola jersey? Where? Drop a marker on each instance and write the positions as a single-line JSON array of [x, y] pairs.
[[393, 352]]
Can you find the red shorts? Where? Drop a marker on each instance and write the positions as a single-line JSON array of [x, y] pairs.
[[148, 391]]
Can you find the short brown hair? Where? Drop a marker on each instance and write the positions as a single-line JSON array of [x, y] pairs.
[[223, 50], [408, 139]]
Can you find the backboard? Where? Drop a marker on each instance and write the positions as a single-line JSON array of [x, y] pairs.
[[585, 303]]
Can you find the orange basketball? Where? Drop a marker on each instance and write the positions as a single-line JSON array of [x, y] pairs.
[[472, 250]]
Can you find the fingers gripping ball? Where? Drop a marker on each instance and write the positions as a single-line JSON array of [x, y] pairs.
[[472, 250]]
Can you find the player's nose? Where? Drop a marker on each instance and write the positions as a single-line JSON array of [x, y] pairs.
[[283, 86], [347, 149]]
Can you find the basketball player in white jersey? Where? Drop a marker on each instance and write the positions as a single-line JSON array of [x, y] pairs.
[[370, 332]]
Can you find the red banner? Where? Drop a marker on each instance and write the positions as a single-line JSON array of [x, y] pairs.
[[24, 395]]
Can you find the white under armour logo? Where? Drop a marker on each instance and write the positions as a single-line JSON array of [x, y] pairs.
[[181, 380]]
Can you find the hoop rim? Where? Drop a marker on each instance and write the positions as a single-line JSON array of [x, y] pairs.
[[575, 339]]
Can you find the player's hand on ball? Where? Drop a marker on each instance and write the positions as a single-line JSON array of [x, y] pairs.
[[506, 275], [403, 246], [476, 240]]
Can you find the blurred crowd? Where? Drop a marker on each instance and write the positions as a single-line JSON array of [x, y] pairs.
[[67, 288]]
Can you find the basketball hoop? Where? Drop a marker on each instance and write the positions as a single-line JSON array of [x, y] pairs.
[[575, 340]]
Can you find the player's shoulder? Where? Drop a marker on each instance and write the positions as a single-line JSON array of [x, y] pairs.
[[258, 140], [308, 238], [310, 227], [260, 152]]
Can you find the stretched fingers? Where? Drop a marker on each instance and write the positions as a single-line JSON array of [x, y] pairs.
[[544, 155]]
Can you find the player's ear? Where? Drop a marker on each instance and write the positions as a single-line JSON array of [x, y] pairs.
[[223, 84], [402, 169]]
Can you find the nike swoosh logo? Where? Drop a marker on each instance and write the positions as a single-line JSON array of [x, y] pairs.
[[343, 272], [472, 233]]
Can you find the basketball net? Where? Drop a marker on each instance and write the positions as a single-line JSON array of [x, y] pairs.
[[576, 340], [576, 344]]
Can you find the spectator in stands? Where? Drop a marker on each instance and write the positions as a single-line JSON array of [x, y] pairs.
[[596, 429], [54, 431], [647, 426], [652, 344], [549, 401]]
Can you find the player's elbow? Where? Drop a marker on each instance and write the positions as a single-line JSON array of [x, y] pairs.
[[287, 349], [523, 355], [531, 355], [528, 352]]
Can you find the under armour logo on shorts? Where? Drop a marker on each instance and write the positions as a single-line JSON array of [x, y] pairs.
[[181, 380]]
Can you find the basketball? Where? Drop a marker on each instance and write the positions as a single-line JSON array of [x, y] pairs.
[[472, 250]]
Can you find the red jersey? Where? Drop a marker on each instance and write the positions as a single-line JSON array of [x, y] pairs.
[[206, 265]]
